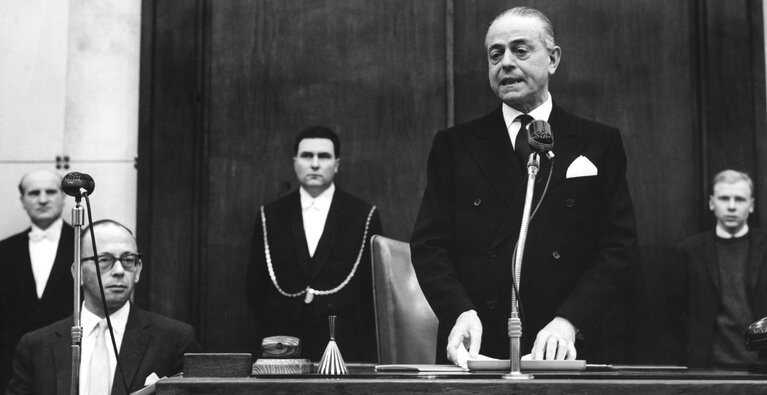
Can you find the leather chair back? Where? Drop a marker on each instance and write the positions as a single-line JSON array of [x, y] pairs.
[[406, 327]]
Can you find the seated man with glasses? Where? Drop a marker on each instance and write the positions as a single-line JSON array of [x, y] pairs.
[[149, 345]]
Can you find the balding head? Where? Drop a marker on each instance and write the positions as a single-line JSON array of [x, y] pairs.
[[42, 197], [119, 262]]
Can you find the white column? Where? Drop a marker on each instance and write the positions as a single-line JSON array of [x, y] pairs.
[[102, 93]]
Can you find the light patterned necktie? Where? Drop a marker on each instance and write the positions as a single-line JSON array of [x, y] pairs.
[[98, 378]]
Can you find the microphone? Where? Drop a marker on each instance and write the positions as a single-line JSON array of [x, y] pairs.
[[75, 184], [540, 138]]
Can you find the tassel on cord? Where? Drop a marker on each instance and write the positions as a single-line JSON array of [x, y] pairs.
[[332, 363]]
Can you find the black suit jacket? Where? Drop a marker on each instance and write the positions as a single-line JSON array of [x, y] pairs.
[[152, 343], [698, 291], [580, 245], [333, 260], [20, 309]]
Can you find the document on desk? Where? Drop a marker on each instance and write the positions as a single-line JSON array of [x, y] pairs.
[[476, 365]]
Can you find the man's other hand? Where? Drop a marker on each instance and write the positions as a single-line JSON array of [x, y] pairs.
[[555, 341], [466, 334]]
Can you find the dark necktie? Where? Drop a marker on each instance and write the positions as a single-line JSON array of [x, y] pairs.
[[521, 146]]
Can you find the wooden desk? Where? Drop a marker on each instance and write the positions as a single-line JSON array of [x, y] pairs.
[[624, 383]]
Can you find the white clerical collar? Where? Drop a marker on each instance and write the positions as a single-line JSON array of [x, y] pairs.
[[540, 113], [723, 233], [119, 319], [321, 202], [52, 233]]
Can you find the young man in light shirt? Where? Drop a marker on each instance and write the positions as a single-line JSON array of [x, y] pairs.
[[722, 286]]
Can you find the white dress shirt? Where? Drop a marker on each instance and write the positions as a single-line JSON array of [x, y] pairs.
[[510, 115], [43, 245], [90, 322], [315, 213], [723, 233]]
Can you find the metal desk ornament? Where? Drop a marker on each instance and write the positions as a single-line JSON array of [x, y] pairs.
[[332, 363]]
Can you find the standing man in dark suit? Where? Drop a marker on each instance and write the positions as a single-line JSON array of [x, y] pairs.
[[723, 283], [36, 287], [580, 244], [149, 346], [311, 258]]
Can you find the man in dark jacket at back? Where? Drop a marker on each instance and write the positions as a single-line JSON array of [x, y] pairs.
[[36, 287]]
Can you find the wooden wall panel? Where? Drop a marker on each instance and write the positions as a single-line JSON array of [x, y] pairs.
[[227, 85], [169, 158], [371, 71], [735, 89]]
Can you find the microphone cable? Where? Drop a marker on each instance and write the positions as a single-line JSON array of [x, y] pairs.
[[103, 296], [545, 189]]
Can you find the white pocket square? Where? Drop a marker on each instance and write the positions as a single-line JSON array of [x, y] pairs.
[[581, 167]]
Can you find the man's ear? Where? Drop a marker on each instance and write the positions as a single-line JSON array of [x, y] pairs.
[[711, 202], [555, 55], [338, 163], [72, 270], [136, 277]]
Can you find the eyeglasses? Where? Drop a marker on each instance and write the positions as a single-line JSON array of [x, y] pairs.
[[107, 261]]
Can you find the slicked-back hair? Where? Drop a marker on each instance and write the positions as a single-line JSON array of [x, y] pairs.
[[318, 132], [547, 37]]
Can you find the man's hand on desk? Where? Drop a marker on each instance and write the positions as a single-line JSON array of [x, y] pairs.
[[466, 333], [555, 341]]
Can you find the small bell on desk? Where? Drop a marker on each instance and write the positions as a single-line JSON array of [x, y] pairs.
[[332, 363]]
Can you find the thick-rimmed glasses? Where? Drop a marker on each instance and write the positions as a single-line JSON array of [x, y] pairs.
[[106, 262]]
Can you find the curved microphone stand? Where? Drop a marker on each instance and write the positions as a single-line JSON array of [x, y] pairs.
[[515, 323]]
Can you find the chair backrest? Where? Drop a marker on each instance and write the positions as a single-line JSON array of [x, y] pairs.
[[406, 327]]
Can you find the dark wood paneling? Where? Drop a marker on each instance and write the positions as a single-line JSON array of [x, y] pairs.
[[735, 88], [757, 67], [371, 71], [169, 153]]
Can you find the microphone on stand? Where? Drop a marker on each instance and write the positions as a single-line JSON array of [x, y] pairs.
[[540, 138], [75, 184]]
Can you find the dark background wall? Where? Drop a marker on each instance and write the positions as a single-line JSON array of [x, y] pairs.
[[226, 85]]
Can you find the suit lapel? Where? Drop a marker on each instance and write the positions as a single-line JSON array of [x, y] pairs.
[[756, 255], [297, 228], [134, 344], [25, 275], [568, 145], [491, 149], [708, 256], [62, 263], [62, 359], [328, 238]]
